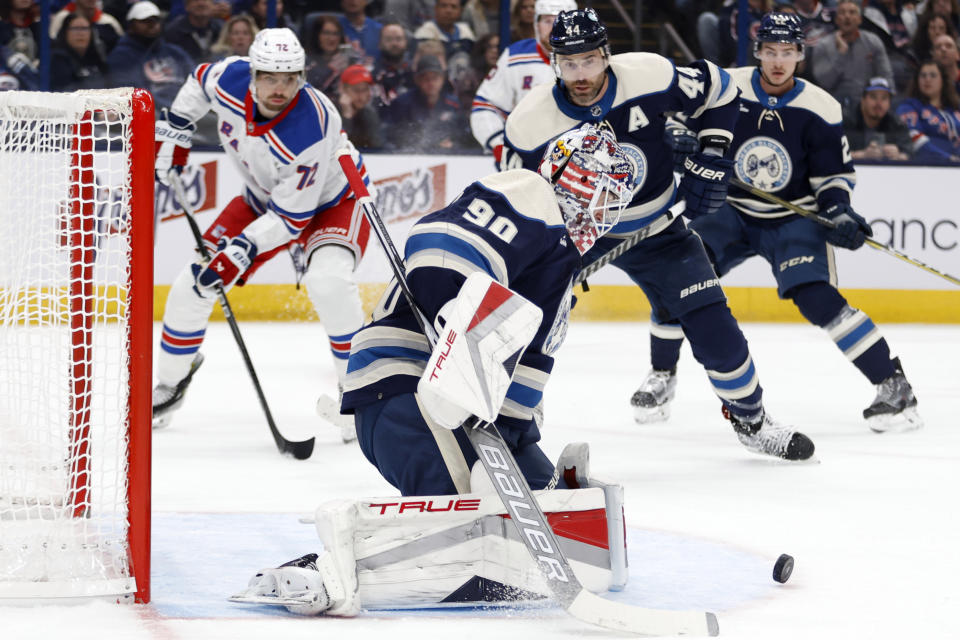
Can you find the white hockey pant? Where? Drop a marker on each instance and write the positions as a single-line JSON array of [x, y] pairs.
[[430, 551], [333, 291]]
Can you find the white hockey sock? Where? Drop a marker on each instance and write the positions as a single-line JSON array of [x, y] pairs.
[[333, 291], [185, 319]]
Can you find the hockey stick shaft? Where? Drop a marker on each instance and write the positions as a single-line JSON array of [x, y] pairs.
[[628, 243], [517, 497], [299, 450], [810, 215]]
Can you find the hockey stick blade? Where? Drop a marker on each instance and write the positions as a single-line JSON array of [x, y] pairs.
[[300, 450], [304, 598], [591, 608]]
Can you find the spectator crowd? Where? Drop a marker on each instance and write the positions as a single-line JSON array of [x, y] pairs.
[[404, 72]]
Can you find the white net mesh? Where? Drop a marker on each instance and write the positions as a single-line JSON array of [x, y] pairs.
[[64, 355]]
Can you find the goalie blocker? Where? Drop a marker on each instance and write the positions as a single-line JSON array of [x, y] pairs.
[[438, 551]]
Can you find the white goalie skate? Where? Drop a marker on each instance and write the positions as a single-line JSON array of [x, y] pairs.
[[651, 402], [315, 584], [167, 399], [297, 585], [766, 437], [895, 407]]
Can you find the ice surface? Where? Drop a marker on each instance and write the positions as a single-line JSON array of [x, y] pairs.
[[873, 527]]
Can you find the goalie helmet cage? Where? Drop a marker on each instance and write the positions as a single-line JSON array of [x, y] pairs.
[[76, 306]]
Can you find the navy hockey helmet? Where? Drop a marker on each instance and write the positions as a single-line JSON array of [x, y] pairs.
[[577, 32], [785, 28]]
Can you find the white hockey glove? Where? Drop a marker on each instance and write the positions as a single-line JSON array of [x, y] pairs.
[[486, 332], [174, 137]]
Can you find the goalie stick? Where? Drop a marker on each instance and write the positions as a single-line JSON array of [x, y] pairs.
[[299, 450], [512, 487], [626, 244], [810, 215]]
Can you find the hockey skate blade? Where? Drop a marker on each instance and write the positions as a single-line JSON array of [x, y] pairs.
[[906, 420], [301, 598], [651, 415], [591, 608], [329, 410]]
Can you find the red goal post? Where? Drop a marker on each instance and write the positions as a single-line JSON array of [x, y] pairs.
[[76, 307]]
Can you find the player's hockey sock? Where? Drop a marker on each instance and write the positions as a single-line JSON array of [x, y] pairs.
[[719, 345], [666, 338], [851, 329]]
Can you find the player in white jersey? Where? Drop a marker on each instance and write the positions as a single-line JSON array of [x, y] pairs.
[[282, 136], [522, 66]]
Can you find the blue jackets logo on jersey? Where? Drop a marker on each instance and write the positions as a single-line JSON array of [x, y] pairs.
[[639, 163], [764, 163]]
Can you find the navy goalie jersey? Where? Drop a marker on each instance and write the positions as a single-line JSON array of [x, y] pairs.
[[507, 225], [792, 146]]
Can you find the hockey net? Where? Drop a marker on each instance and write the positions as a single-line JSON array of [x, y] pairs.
[[76, 256]]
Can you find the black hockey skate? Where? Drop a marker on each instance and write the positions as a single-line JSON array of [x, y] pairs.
[[167, 399], [764, 436], [651, 402], [895, 407]]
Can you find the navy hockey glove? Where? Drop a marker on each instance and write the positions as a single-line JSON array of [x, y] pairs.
[[851, 230], [174, 137], [229, 263], [704, 183], [683, 142]]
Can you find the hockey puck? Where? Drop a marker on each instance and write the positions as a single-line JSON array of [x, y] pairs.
[[783, 568]]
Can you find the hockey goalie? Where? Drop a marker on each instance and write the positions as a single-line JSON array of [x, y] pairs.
[[492, 273]]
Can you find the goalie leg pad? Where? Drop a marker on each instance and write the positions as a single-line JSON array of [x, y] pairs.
[[429, 551], [336, 523], [486, 331]]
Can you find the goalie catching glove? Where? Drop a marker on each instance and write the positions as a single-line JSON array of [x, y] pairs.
[[231, 261], [174, 137], [487, 328]]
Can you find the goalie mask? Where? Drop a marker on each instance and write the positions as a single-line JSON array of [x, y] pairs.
[[591, 179]]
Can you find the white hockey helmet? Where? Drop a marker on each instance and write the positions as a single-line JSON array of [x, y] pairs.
[[552, 8], [592, 179], [277, 50]]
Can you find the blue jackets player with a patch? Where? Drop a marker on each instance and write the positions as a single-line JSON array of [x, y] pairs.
[[636, 94], [507, 225], [792, 146], [642, 89]]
